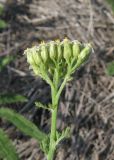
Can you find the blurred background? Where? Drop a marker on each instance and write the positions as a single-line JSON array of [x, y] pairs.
[[87, 102]]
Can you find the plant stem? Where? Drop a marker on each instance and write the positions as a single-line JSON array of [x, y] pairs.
[[63, 84], [55, 94], [52, 135], [52, 146]]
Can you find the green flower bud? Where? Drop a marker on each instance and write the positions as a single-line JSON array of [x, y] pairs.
[[67, 49], [36, 55], [76, 49], [33, 56], [44, 52], [85, 53], [53, 50], [59, 50], [30, 59]]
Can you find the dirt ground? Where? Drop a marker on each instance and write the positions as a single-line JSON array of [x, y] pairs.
[[86, 104]]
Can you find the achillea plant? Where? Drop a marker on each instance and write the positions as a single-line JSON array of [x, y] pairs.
[[55, 62]]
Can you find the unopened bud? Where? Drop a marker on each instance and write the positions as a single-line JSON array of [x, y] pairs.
[[33, 56], [30, 60], [85, 53], [36, 55], [53, 50], [29, 53], [76, 49], [67, 49], [44, 52], [59, 50]]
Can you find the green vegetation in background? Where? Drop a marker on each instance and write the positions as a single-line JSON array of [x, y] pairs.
[[9, 98], [111, 2], [5, 60], [12, 98], [7, 150], [3, 24], [110, 68], [1, 9]]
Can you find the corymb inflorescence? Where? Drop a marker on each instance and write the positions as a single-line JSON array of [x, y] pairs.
[[63, 56]]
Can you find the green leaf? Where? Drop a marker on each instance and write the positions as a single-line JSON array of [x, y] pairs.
[[44, 145], [110, 68], [7, 150], [40, 105], [5, 60], [111, 2], [22, 124], [60, 136], [12, 98], [3, 24]]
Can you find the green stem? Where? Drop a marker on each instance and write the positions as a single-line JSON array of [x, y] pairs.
[[63, 84], [55, 93], [52, 146]]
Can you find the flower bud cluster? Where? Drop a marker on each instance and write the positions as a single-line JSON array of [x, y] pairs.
[[47, 56]]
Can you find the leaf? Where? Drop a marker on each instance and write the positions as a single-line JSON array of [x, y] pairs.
[[60, 136], [7, 150], [3, 24], [44, 145], [111, 2], [110, 68], [40, 105], [5, 60], [12, 98], [22, 124]]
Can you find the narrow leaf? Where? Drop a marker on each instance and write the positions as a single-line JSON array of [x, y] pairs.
[[7, 150], [12, 98], [22, 123]]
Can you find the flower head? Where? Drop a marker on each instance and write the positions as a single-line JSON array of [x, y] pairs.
[[57, 55]]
